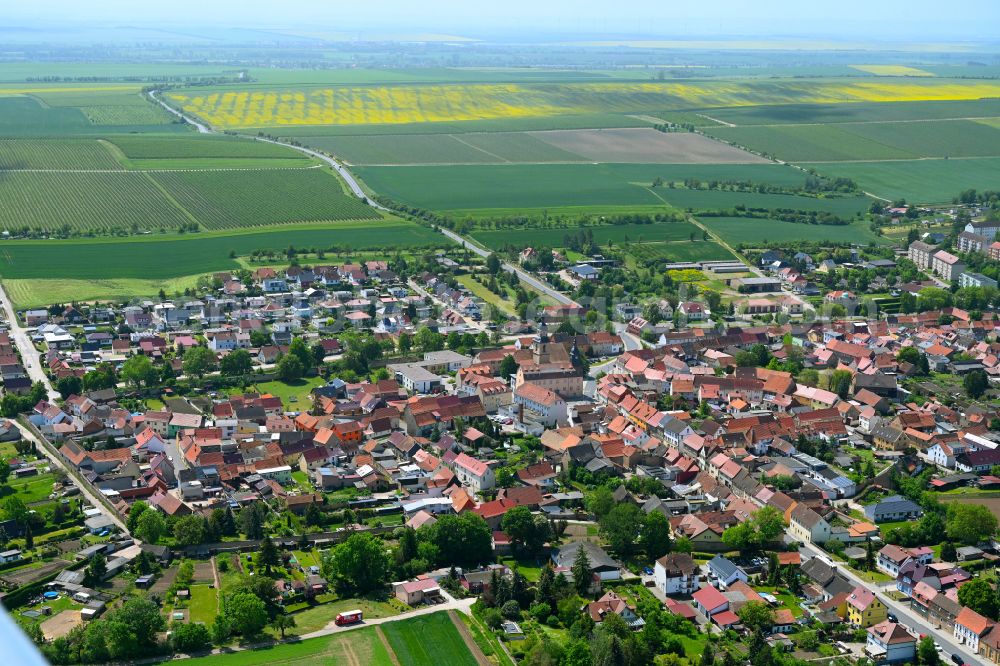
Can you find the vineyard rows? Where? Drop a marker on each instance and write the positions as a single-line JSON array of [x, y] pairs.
[[56, 154], [230, 199]]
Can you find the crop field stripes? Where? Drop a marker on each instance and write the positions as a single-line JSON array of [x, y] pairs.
[[196, 170], [482, 150]]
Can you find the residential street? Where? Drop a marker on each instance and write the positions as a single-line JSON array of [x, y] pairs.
[[910, 618], [30, 356]]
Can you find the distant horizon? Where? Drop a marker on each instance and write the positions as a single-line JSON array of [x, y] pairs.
[[850, 21]]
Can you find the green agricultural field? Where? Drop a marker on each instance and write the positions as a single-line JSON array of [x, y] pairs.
[[736, 230], [868, 141], [85, 201], [697, 250], [37, 292], [55, 154], [164, 257], [919, 181], [166, 147], [771, 174], [229, 199], [803, 143], [23, 116], [702, 200], [936, 138], [555, 237], [785, 114], [308, 134], [500, 189], [428, 639], [472, 148], [351, 648], [405, 149], [505, 186]]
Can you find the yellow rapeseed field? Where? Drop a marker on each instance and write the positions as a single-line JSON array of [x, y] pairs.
[[362, 105], [891, 70]]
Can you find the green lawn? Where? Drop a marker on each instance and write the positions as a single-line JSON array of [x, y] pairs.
[[295, 395], [317, 617], [428, 639], [353, 648], [204, 604], [29, 489]]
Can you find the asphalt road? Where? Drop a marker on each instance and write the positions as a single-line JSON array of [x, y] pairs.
[[29, 355], [904, 613]]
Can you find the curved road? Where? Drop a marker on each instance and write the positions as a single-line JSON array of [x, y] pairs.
[[355, 187]]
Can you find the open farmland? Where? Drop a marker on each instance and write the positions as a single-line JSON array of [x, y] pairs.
[[172, 257], [360, 647], [495, 188], [639, 145], [24, 116], [868, 141], [787, 114], [235, 198], [697, 250], [425, 640], [229, 108], [737, 230], [919, 181], [476, 148], [505, 186], [55, 154], [428, 639], [85, 201], [701, 200], [554, 236], [642, 145], [156, 147]]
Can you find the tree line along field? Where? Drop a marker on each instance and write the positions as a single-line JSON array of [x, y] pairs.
[[159, 257], [231, 108], [919, 181]]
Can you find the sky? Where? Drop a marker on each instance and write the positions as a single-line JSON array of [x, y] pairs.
[[849, 20]]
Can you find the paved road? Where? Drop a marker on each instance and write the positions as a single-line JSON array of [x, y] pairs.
[[32, 363], [337, 166], [57, 462], [29, 355], [462, 606], [904, 613], [524, 276]]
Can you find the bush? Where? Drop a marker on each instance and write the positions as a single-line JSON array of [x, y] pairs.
[[492, 618], [540, 612], [511, 610], [552, 621]]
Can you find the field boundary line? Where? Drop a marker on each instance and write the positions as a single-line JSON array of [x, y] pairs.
[[385, 644], [470, 642], [174, 201], [482, 150]]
